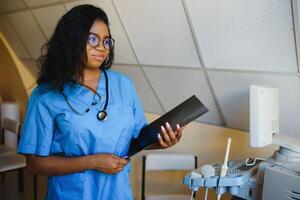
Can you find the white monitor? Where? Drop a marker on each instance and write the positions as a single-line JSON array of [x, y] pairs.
[[264, 114], [264, 119]]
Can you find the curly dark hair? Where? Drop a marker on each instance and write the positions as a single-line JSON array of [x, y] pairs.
[[63, 57]]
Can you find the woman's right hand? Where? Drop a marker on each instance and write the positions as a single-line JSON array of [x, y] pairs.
[[107, 163]]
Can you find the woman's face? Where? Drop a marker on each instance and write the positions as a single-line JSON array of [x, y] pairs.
[[96, 54]]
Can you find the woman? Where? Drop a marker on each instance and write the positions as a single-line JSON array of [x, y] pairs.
[[82, 116]]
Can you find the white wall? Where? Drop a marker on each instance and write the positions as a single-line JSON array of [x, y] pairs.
[[176, 48]]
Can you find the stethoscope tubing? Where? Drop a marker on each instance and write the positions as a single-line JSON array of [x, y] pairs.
[[101, 115]]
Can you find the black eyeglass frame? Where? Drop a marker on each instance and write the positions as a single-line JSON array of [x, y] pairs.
[[99, 40]]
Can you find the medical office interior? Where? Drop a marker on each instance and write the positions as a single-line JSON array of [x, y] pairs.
[[173, 49]]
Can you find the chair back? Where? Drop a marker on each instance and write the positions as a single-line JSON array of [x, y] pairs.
[[156, 162], [11, 125], [161, 162]]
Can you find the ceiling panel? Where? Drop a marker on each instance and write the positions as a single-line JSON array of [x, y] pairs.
[[144, 90], [29, 31], [232, 91], [252, 35], [32, 3], [47, 23], [10, 5], [123, 51], [175, 85], [159, 32], [12, 37]]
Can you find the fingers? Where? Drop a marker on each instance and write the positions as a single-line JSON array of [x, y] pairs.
[[165, 135], [119, 160], [178, 131], [161, 142], [168, 137], [119, 169], [117, 165], [171, 134], [109, 163], [122, 161]]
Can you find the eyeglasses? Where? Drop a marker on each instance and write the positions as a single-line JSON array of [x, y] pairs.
[[94, 40]]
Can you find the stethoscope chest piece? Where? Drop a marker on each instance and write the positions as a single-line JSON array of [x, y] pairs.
[[102, 115]]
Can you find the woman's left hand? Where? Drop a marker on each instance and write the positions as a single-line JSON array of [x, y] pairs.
[[168, 137]]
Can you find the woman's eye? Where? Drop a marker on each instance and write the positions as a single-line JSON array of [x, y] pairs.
[[108, 43], [92, 40]]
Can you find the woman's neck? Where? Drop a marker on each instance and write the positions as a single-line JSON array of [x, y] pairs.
[[90, 75]]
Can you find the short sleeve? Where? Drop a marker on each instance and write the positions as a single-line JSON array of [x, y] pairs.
[[38, 128], [139, 115]]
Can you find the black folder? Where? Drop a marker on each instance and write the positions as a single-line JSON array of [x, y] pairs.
[[184, 113]]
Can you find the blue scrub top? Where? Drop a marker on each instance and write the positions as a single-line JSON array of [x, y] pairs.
[[52, 128]]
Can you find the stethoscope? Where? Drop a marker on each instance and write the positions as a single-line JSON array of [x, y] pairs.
[[102, 114]]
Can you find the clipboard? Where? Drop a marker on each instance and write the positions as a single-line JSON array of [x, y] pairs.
[[182, 114]]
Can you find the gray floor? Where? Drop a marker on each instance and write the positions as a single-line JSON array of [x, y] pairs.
[[9, 187]]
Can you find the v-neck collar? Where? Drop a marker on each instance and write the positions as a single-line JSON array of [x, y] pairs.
[[90, 90], [83, 94]]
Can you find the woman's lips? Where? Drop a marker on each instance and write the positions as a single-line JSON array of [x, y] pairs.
[[98, 57]]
